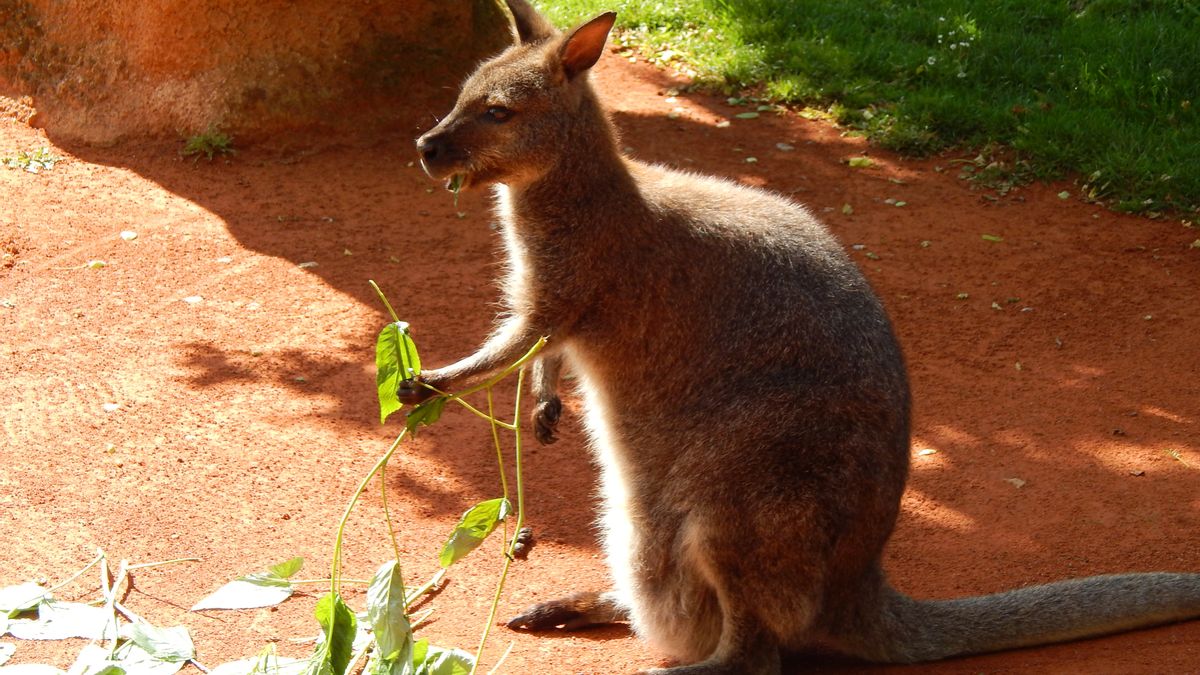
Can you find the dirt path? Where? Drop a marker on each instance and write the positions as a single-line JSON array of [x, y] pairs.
[[245, 415]]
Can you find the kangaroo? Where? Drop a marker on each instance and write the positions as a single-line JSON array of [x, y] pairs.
[[745, 395]]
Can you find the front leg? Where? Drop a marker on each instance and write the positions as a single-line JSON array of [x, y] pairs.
[[548, 407], [507, 344]]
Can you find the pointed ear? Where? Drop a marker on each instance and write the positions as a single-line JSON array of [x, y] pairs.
[[531, 26], [583, 47]]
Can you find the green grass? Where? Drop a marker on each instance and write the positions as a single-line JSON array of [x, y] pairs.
[[210, 144], [1103, 89]]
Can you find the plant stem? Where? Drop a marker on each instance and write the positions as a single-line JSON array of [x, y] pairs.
[[385, 300], [411, 598], [508, 554], [337, 546], [142, 566], [537, 347], [477, 411], [73, 577], [496, 442], [387, 516]]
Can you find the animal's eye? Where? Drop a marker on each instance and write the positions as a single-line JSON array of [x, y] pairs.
[[499, 113]]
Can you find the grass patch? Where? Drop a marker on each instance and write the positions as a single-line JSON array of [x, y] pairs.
[[210, 144], [1107, 89]]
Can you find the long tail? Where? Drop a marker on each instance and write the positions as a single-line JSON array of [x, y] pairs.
[[908, 630]]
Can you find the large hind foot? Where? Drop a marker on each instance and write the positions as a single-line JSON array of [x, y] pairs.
[[572, 612]]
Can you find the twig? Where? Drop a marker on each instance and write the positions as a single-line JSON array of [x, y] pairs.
[[503, 656]]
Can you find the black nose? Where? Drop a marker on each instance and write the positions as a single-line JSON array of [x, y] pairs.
[[430, 147]]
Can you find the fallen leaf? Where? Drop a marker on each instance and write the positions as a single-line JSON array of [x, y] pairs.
[[786, 147], [1064, 195], [1015, 482], [992, 238], [926, 452], [307, 265], [128, 235], [746, 115], [860, 162], [847, 209]]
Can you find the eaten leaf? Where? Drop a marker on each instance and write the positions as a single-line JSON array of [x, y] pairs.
[[260, 589], [475, 525], [430, 660], [396, 361], [164, 644], [386, 612], [21, 598], [62, 620], [340, 626], [425, 414]]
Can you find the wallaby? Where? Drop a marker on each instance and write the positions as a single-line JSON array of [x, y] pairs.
[[745, 395]]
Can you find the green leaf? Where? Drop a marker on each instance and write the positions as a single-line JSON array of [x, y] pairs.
[[339, 625], [389, 622], [992, 238], [425, 414], [62, 620], [746, 115], [396, 360], [164, 644], [261, 589], [288, 568], [21, 598], [430, 660], [860, 162], [129, 659], [474, 526]]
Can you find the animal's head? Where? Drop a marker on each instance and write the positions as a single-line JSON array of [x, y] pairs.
[[512, 118]]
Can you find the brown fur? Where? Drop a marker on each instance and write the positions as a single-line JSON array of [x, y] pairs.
[[745, 395]]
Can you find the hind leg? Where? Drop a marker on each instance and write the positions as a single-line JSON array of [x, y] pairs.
[[742, 649], [731, 607]]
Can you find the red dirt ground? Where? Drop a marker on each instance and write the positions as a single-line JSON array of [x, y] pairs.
[[246, 418]]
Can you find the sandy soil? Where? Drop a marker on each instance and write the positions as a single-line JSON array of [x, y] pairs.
[[1055, 373]]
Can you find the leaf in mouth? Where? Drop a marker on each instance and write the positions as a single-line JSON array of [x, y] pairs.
[[454, 185]]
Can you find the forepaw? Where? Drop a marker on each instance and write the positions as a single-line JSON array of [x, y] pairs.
[[413, 392], [545, 420]]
